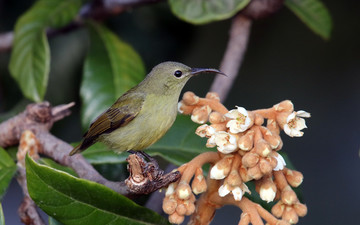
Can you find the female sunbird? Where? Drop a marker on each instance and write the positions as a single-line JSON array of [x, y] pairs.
[[143, 114]]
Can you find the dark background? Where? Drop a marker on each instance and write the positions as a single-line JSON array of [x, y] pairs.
[[285, 60]]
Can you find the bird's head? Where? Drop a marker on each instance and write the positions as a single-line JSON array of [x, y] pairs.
[[172, 76]]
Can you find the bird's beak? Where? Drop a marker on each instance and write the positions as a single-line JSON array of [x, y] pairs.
[[195, 71]]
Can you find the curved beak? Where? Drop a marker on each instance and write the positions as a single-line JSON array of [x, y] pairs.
[[195, 71]]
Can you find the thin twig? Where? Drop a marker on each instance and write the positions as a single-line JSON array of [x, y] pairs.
[[233, 57]]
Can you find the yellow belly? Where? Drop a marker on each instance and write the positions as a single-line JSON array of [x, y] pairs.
[[146, 128]]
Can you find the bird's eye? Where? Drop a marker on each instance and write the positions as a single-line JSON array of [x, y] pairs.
[[177, 73]]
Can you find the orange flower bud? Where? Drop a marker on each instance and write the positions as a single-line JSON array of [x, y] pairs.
[[250, 159], [244, 174], [246, 142], [267, 190], [265, 166], [219, 126], [273, 139], [201, 114], [284, 106], [233, 179], [176, 218], [190, 208], [169, 205], [288, 196], [300, 209], [222, 168], [258, 119], [190, 98], [183, 191], [216, 117], [262, 148], [255, 172], [213, 95], [278, 209], [295, 178], [290, 215], [181, 209], [198, 184]]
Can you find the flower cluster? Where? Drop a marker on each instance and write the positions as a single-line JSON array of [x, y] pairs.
[[246, 150]]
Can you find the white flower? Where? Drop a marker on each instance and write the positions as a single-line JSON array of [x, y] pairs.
[[294, 124], [226, 142], [237, 193], [280, 162], [240, 120], [224, 190], [211, 142], [170, 190], [267, 194], [205, 131], [216, 173]]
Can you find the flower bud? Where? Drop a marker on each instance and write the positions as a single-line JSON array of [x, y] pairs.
[[213, 95], [278, 209], [169, 205], [246, 142], [258, 119], [244, 174], [290, 215], [183, 191], [262, 148], [216, 117], [300, 209], [181, 209], [190, 98], [255, 172], [224, 190], [250, 159], [267, 191], [295, 178], [190, 208], [170, 189], [237, 193], [201, 114], [205, 131], [273, 139], [288, 196], [185, 109], [210, 143], [219, 126], [265, 166], [226, 143], [282, 222], [222, 168], [234, 179], [280, 162], [198, 184], [284, 106], [176, 218]]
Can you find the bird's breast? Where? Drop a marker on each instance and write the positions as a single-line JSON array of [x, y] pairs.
[[154, 120]]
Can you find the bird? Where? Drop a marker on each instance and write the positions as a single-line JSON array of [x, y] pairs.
[[144, 113]]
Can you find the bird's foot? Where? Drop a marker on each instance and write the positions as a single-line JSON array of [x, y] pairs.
[[151, 161], [146, 177]]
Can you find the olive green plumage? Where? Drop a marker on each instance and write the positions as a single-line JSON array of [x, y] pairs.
[[143, 114]]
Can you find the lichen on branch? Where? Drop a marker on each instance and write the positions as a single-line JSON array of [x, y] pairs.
[[247, 144]]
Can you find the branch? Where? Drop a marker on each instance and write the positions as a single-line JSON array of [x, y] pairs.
[[97, 10], [234, 55], [39, 118]]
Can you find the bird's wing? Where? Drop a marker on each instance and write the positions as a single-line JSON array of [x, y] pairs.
[[124, 110]]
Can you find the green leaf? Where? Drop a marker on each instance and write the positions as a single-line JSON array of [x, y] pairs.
[[51, 163], [30, 57], [111, 68], [53, 221], [99, 153], [205, 11], [314, 14], [180, 144], [7, 171], [71, 200], [2, 218]]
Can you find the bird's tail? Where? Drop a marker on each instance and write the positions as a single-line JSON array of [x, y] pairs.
[[77, 149]]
